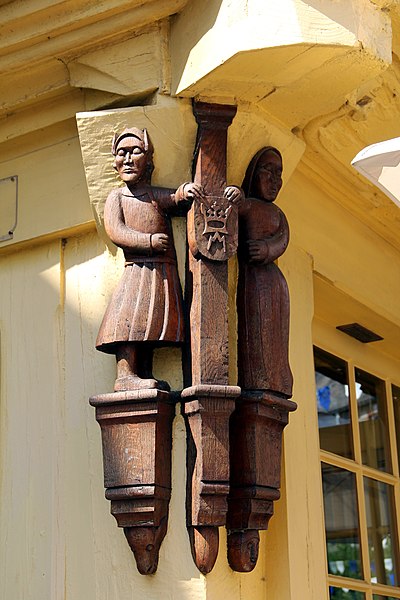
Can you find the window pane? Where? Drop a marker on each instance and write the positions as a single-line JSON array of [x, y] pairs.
[[382, 533], [396, 404], [333, 404], [344, 594], [341, 522], [372, 415], [375, 597]]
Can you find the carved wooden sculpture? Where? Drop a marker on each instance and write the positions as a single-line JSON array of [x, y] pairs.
[[209, 400], [264, 374], [145, 311]]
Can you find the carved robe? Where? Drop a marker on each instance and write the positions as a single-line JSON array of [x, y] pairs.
[[263, 302], [147, 303]]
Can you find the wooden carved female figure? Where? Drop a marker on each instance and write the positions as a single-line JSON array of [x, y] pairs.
[[263, 297], [145, 310], [264, 374]]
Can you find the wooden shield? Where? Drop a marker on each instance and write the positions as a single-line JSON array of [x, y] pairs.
[[213, 228]]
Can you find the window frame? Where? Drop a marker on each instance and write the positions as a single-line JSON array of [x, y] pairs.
[[358, 356]]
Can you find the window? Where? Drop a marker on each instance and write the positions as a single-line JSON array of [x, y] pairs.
[[359, 428]]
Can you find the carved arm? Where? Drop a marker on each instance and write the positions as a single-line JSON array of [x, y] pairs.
[[278, 243], [268, 249], [177, 203], [118, 232]]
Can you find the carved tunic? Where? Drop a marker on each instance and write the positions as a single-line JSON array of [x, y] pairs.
[[263, 302], [147, 303]]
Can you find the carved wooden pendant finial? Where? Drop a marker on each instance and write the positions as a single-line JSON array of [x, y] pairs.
[[209, 400], [243, 549], [145, 544]]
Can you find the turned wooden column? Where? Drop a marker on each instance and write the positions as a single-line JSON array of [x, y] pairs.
[[209, 400]]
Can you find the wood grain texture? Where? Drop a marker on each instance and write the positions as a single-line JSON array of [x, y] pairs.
[[136, 430], [145, 312], [209, 400], [263, 295], [146, 307], [256, 429], [261, 412]]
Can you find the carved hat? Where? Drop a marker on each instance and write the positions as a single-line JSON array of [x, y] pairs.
[[248, 178], [140, 134]]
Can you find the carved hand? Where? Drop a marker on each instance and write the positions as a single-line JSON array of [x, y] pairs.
[[234, 194], [159, 242], [192, 191], [258, 250]]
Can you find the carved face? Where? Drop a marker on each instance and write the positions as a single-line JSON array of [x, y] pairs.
[[267, 180], [131, 160]]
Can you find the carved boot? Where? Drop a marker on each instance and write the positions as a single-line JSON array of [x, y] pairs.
[[132, 360]]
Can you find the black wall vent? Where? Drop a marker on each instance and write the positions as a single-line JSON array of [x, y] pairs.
[[360, 333]]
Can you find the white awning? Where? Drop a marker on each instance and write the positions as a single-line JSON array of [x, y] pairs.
[[380, 164]]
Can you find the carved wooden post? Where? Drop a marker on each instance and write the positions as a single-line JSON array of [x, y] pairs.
[[145, 311], [209, 401], [264, 374]]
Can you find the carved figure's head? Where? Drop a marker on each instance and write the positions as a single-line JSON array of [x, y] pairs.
[[133, 153], [263, 177]]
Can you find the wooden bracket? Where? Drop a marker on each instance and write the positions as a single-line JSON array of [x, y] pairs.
[[234, 433], [144, 312], [136, 429], [255, 470], [207, 411], [209, 400]]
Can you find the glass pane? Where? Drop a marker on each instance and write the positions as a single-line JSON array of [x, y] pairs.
[[372, 415], [344, 594], [396, 405], [375, 597], [382, 533], [333, 404], [341, 522]]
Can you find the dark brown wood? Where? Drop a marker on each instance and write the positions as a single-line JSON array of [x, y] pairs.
[[145, 311], [261, 412], [255, 456], [146, 307], [263, 296], [209, 400], [207, 412], [136, 429]]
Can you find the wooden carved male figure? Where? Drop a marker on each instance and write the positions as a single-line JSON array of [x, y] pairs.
[[145, 310], [263, 297]]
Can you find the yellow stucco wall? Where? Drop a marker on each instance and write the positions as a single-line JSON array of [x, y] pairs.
[[58, 540], [51, 482]]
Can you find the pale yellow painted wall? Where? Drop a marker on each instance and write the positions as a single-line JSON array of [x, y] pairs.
[[347, 253], [52, 495], [60, 541], [51, 181], [53, 297], [284, 56], [31, 424]]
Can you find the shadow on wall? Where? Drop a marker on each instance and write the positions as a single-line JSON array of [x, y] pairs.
[[53, 514]]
